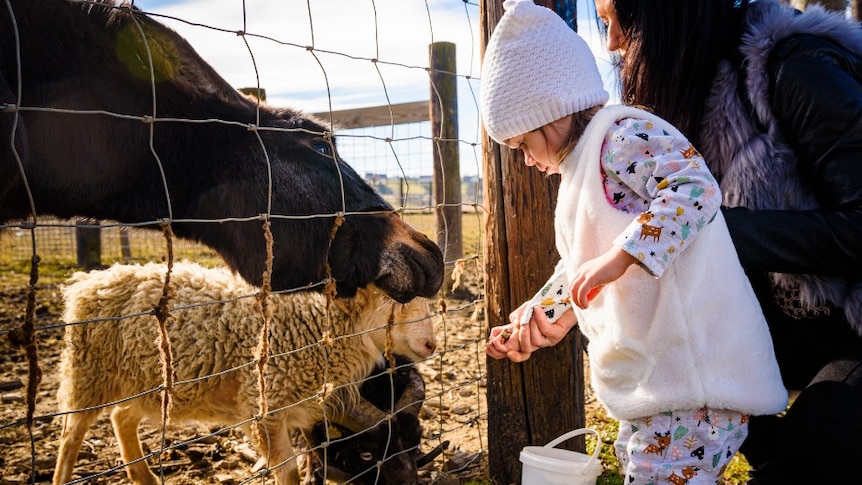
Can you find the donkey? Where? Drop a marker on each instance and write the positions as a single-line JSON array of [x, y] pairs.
[[89, 61]]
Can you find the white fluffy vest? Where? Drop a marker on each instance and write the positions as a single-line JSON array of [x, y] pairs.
[[695, 337]]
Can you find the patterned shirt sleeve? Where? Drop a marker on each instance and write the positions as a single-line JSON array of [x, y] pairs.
[[664, 182], [553, 298]]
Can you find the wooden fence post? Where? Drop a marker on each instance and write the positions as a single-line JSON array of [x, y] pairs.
[[125, 245], [834, 5], [88, 241], [443, 110], [259, 93], [536, 401]]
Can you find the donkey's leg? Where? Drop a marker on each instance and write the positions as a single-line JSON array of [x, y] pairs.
[[77, 425], [125, 419]]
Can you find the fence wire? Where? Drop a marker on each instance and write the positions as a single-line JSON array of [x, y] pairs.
[[39, 253]]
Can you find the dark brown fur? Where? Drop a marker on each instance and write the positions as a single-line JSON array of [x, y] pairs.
[[92, 57]]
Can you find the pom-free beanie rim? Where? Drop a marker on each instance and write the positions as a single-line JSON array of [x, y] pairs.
[[536, 70]]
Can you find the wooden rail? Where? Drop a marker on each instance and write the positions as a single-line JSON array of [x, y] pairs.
[[394, 114]]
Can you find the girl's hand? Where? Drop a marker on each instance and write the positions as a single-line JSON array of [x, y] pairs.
[[504, 341], [594, 274], [552, 333], [518, 342]]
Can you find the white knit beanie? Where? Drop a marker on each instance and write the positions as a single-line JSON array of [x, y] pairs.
[[536, 70]]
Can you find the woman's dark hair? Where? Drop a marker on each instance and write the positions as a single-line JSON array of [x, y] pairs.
[[673, 49]]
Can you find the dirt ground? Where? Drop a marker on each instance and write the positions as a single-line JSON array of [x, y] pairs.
[[454, 409]]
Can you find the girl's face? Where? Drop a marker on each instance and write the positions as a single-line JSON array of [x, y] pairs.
[[537, 150], [542, 146], [608, 14]]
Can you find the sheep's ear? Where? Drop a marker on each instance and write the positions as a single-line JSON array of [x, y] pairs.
[[334, 432], [369, 297], [359, 298], [374, 294]]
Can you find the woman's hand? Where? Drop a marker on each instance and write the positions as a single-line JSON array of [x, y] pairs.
[[594, 274]]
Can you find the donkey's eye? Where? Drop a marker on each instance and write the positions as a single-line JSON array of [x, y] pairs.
[[366, 456], [321, 147]]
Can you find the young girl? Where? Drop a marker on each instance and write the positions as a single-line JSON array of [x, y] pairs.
[[679, 350]]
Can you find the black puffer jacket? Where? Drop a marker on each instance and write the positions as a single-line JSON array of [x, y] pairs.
[[816, 96], [782, 131]]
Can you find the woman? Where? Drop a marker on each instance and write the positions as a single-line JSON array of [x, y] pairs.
[[773, 100]]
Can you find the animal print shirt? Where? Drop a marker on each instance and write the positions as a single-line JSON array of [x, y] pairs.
[[665, 182]]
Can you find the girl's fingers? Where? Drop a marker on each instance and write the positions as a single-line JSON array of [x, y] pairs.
[[516, 356], [537, 337], [525, 340], [496, 349]]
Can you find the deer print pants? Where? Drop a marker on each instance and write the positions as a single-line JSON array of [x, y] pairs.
[[679, 447]]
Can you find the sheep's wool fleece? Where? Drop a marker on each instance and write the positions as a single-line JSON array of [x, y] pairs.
[[121, 357], [536, 70], [693, 337]]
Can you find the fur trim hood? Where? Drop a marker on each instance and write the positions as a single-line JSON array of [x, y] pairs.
[[755, 165]]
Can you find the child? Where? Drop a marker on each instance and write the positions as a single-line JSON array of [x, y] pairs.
[[679, 350]]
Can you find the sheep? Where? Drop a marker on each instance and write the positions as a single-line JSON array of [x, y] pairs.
[[213, 331], [388, 453]]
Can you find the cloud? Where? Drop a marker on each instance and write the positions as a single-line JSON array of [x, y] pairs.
[[305, 53], [318, 55]]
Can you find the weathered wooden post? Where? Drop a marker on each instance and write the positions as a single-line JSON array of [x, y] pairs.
[[88, 242], [834, 5], [536, 401], [259, 93], [125, 244], [443, 110]]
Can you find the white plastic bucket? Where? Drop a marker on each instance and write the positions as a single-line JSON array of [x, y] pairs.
[[546, 465]]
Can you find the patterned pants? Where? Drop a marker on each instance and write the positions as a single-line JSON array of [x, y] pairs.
[[679, 447]]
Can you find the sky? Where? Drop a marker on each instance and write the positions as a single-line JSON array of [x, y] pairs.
[[317, 55]]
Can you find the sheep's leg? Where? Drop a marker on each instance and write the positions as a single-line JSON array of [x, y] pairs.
[[77, 425], [126, 421], [277, 446]]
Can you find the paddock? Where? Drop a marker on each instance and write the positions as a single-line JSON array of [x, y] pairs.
[[456, 407]]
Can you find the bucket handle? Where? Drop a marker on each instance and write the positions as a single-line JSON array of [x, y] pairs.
[[579, 432]]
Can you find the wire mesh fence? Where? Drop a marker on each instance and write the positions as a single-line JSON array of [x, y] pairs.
[[38, 254], [57, 240]]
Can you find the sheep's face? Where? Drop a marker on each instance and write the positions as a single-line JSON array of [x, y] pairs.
[[413, 329], [411, 323]]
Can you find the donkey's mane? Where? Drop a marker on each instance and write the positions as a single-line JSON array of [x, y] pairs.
[[106, 67], [108, 10]]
